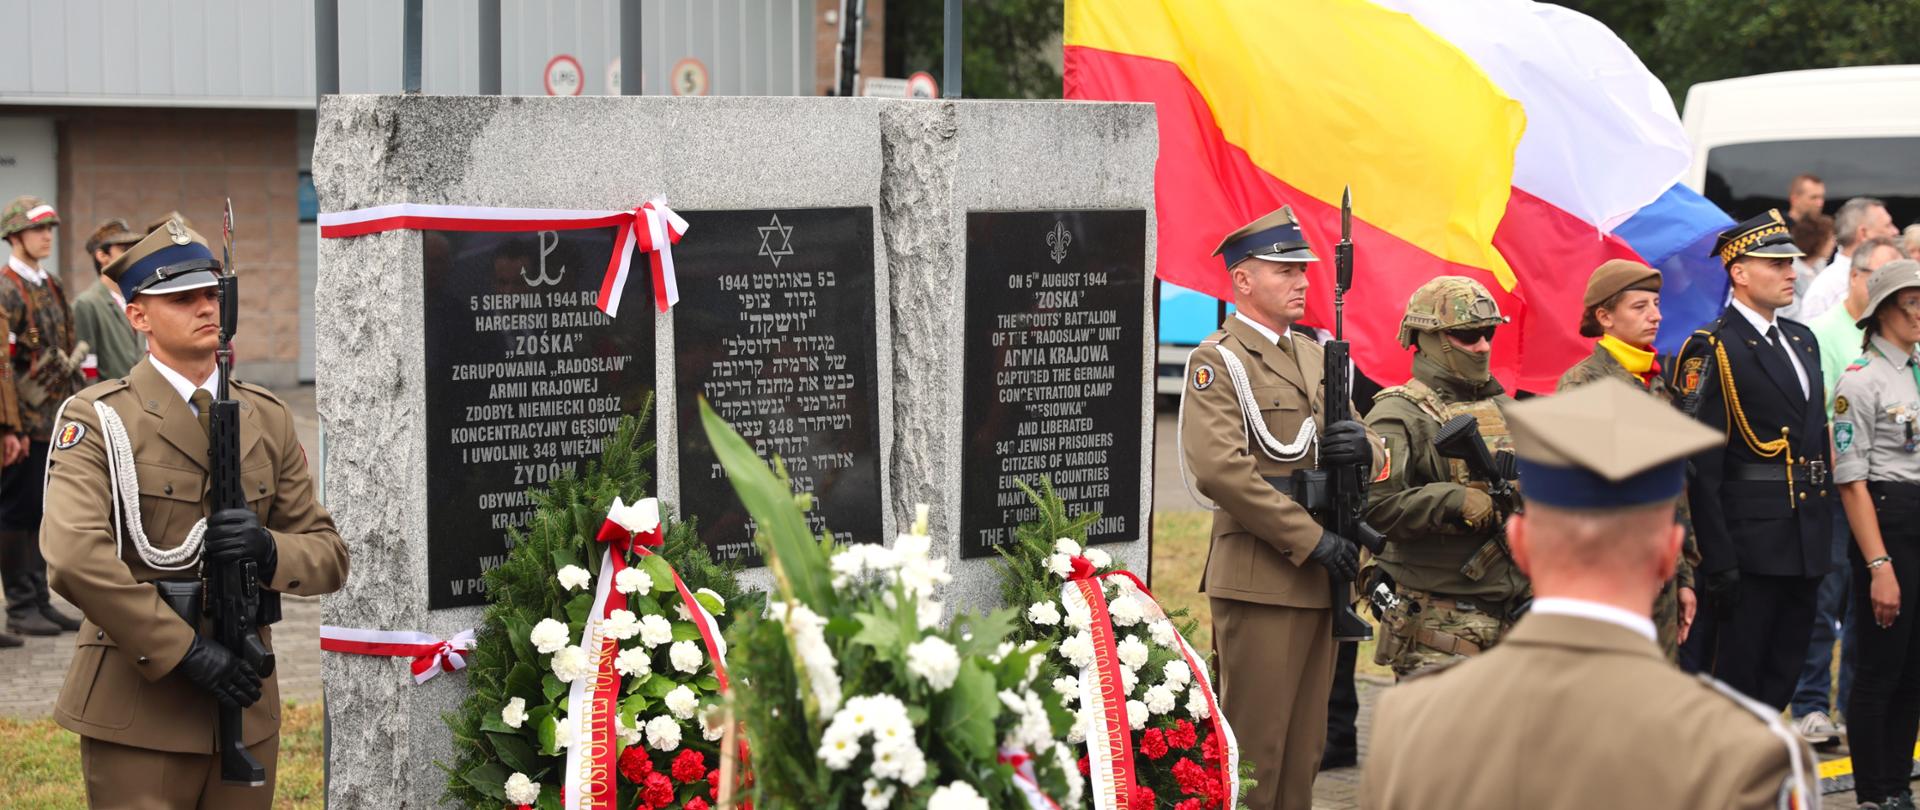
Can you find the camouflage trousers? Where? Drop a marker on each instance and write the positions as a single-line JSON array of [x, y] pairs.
[[1666, 618], [1421, 631]]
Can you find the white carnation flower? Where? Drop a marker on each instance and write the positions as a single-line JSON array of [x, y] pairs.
[[1136, 714], [574, 577], [1078, 648], [1164, 634], [1125, 611], [1129, 678], [1197, 703], [570, 664], [655, 630], [1161, 699], [957, 796], [563, 732], [685, 656], [935, 660], [663, 733], [713, 723], [1060, 565], [632, 580], [1043, 613], [682, 702], [521, 790], [1069, 689], [633, 663], [514, 713], [620, 626], [1100, 559], [549, 636], [876, 796], [1067, 547], [1177, 674], [629, 735], [1133, 653], [1079, 616]]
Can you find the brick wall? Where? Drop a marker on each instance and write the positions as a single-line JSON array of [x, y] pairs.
[[826, 43], [140, 163]]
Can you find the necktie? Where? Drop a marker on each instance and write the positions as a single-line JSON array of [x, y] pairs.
[[203, 402], [1780, 347]]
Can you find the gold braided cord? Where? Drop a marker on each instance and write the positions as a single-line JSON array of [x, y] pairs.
[[1738, 417], [1747, 240]]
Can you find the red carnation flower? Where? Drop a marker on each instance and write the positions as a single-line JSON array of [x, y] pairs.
[[1153, 743], [1212, 749], [1182, 735], [635, 765], [1143, 795], [1188, 804], [713, 784], [1191, 776], [1085, 768], [658, 791], [697, 803], [689, 767]]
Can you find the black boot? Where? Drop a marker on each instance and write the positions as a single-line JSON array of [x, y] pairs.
[[10, 640], [67, 624]]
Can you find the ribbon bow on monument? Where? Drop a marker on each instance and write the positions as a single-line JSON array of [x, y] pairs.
[[431, 655]]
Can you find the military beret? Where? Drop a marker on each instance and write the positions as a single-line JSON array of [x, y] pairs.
[[1616, 276], [1604, 445], [170, 259], [1275, 237]]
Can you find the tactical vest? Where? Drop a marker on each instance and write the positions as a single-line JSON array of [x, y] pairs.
[[1455, 564], [1493, 426]]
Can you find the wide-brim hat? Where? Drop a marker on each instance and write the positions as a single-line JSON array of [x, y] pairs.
[[1616, 276], [1275, 237], [1764, 236], [171, 259], [1888, 280]]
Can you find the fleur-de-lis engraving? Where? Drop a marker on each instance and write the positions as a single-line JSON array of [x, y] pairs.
[[1058, 239]]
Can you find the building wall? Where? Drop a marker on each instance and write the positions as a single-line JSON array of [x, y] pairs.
[[826, 43], [138, 164]]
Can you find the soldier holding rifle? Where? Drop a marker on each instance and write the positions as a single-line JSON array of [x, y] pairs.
[[1253, 412], [136, 538]]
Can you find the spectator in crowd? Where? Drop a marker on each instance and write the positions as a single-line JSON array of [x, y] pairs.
[[1806, 197], [99, 314], [1860, 219], [1840, 341], [1910, 240], [1814, 234], [1878, 473]]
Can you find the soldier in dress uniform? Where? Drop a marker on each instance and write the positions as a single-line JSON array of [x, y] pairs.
[[1577, 708], [1761, 501], [127, 508], [1456, 589], [1252, 409], [1622, 309]]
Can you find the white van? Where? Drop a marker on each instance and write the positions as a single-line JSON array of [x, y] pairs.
[[1857, 128]]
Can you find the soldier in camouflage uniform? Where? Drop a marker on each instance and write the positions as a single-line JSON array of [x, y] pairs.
[[1458, 589], [1622, 309], [46, 370]]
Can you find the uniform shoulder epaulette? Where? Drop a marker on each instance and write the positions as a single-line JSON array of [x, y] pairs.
[[259, 389], [1859, 363], [101, 389]]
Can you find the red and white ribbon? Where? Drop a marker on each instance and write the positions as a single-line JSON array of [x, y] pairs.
[[1026, 780], [39, 212], [652, 228], [431, 655]]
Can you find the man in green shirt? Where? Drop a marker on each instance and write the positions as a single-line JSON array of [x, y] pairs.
[[99, 316]]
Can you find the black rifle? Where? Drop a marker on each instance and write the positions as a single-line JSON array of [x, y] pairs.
[[1339, 495], [1460, 438], [234, 589]]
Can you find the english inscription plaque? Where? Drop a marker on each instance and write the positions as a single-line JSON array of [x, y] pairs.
[[775, 328], [526, 377], [1052, 363]]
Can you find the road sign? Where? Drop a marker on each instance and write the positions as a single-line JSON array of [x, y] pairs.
[[563, 76], [922, 85], [884, 87], [689, 77]]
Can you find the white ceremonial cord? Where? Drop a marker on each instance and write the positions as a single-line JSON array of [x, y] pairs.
[[1250, 415], [1802, 786], [126, 479]]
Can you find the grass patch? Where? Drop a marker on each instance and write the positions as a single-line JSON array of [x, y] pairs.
[[43, 763], [1180, 555]]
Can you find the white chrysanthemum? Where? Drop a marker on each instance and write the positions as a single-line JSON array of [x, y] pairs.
[[682, 702], [1161, 699], [663, 733], [935, 660], [629, 735], [1136, 714], [1177, 674], [839, 746], [632, 580], [620, 626], [655, 630], [1069, 689], [1164, 634], [1079, 616], [808, 631], [1065, 546], [521, 790], [573, 577], [514, 713], [549, 636], [685, 656], [876, 796], [1044, 613], [1197, 704], [1133, 652], [1078, 648], [570, 664], [633, 663], [1125, 611], [1060, 565], [899, 759], [956, 796], [1100, 559]]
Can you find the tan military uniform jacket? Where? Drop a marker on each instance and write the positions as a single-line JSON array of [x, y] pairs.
[[1571, 712], [120, 687], [1261, 538]]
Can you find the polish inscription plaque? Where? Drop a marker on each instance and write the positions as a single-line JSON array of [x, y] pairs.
[[525, 379], [1052, 367], [775, 328]]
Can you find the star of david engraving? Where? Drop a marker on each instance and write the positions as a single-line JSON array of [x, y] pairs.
[[766, 240]]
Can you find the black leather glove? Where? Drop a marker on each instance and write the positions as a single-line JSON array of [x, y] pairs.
[[1723, 591], [1344, 443], [1338, 554], [211, 667], [236, 534]]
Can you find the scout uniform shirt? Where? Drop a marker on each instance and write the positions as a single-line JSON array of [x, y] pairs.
[[1875, 410]]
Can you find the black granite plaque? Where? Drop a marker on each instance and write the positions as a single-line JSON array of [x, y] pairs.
[[525, 379], [1053, 356], [775, 327]]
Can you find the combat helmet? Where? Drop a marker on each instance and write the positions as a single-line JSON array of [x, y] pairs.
[[1448, 302], [26, 211]]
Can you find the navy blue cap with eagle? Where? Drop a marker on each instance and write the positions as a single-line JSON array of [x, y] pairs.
[[1275, 237], [1764, 235], [170, 259], [1603, 445]]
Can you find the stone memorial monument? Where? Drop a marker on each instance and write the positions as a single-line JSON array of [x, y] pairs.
[[908, 301]]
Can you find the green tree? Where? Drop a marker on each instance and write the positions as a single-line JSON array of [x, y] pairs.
[[1011, 48]]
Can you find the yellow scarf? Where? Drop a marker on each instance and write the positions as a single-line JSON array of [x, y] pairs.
[[1634, 359]]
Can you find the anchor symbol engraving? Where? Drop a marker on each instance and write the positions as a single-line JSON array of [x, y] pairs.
[[546, 248], [1058, 239]]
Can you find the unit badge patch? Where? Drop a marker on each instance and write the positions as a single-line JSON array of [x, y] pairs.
[[1690, 374], [1840, 405], [1843, 436], [1202, 378], [69, 435]]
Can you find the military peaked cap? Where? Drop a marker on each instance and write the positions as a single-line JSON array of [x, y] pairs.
[[1764, 236], [1275, 237], [170, 259], [1604, 445]]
